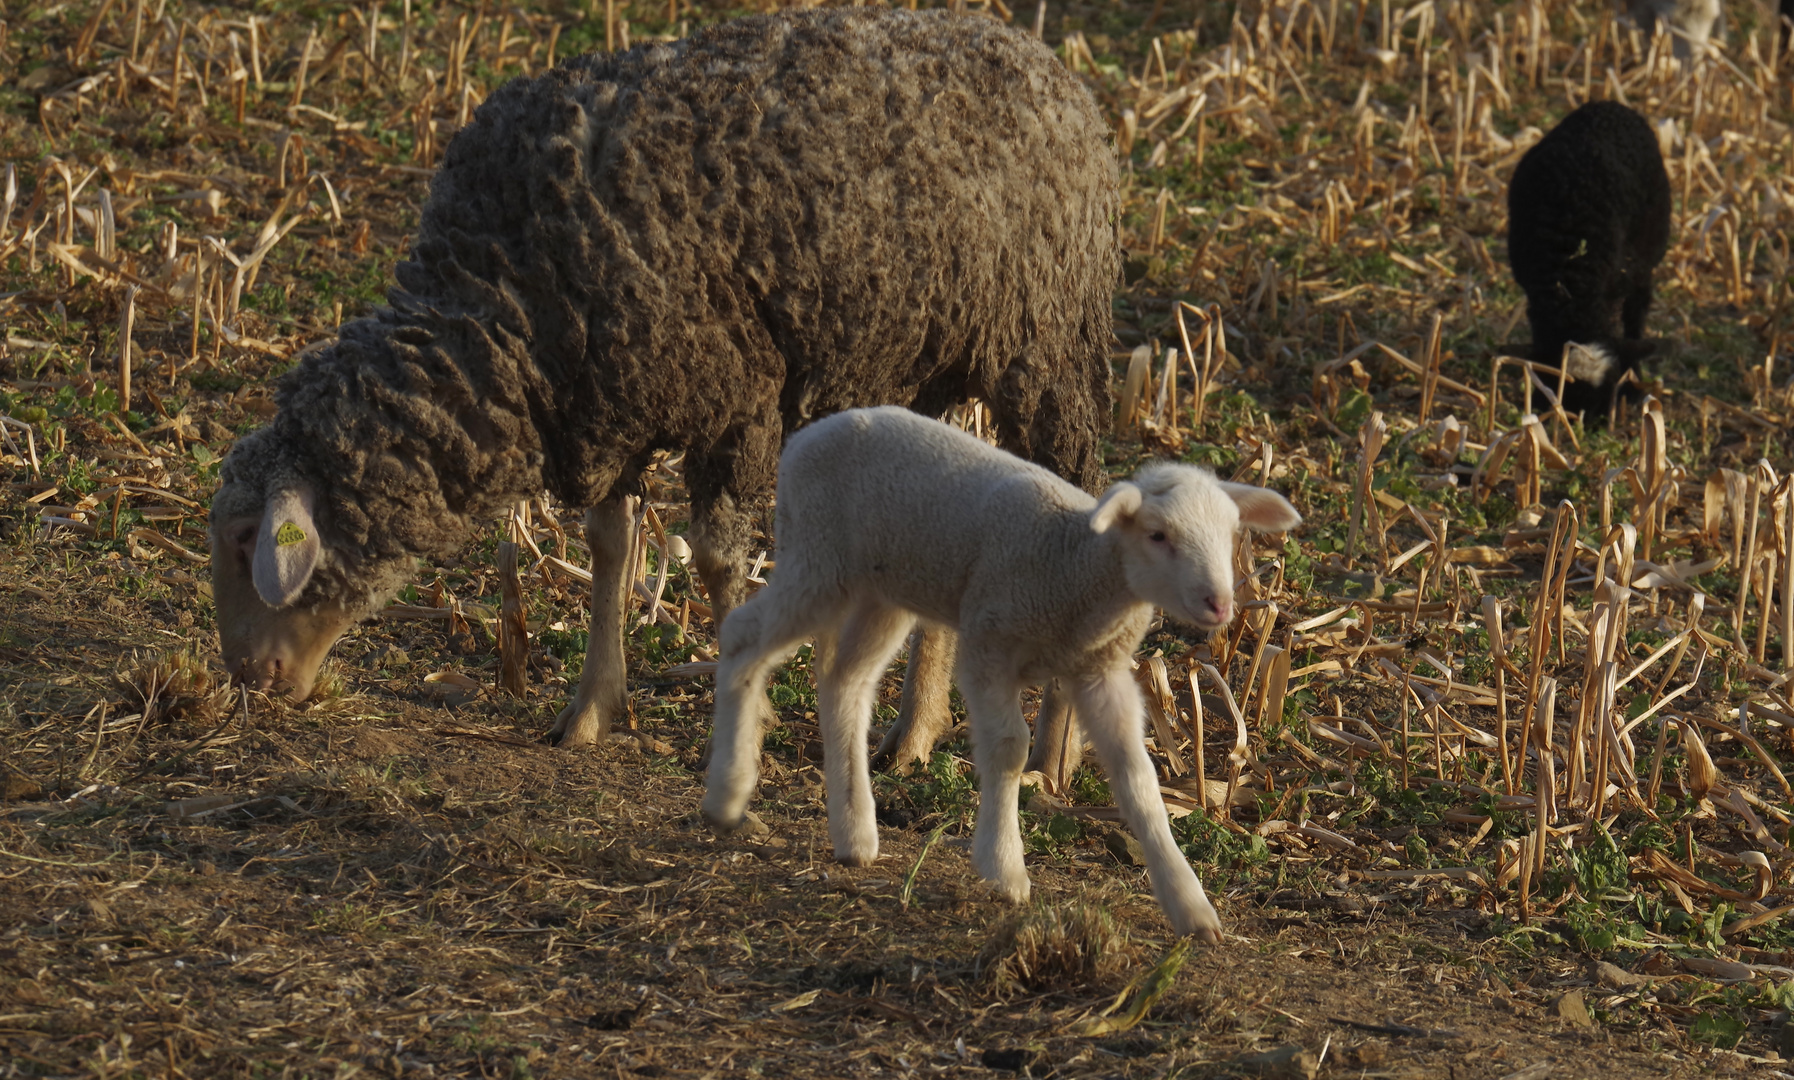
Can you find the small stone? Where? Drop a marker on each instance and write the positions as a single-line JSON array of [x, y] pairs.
[[751, 827], [390, 657], [16, 788], [1572, 1010], [1009, 1059], [1614, 977], [1124, 847]]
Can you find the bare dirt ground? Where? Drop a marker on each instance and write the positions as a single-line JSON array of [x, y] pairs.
[[400, 878]]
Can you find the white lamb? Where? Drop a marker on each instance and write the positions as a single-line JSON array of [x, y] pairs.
[[885, 516]]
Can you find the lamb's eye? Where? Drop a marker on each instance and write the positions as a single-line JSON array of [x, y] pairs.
[[1158, 537]]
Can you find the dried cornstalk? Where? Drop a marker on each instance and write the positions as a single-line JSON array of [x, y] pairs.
[[513, 629], [1133, 390], [1370, 444], [1491, 611], [1161, 708], [125, 321]]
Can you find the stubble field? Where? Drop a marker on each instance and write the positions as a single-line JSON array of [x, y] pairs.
[[400, 878]]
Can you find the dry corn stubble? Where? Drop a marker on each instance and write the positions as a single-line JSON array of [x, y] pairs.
[[1314, 201]]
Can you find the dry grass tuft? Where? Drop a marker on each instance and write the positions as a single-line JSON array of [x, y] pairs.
[[175, 685], [1056, 946]]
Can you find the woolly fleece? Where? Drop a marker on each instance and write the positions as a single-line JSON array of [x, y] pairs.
[[699, 246]]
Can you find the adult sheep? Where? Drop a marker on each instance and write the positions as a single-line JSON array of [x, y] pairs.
[[694, 246], [1588, 222]]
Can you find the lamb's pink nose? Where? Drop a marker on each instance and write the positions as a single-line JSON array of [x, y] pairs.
[[1221, 608]]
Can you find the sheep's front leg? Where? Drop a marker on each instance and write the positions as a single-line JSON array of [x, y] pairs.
[[603, 692], [1636, 306], [999, 747], [845, 692], [925, 714], [720, 531], [1114, 718]]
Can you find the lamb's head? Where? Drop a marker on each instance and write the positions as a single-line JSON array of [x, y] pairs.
[[283, 592], [1176, 525]]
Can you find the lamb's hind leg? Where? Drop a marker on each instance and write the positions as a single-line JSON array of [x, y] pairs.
[[845, 692], [1000, 747], [1114, 718], [757, 636], [603, 685]]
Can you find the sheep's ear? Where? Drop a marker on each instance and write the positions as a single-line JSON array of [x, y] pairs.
[[1261, 509], [286, 547], [1120, 502]]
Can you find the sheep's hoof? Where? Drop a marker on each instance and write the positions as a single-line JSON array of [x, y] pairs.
[[579, 725], [749, 827]]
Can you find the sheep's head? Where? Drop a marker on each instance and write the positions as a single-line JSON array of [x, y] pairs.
[[262, 561], [1177, 525], [283, 592]]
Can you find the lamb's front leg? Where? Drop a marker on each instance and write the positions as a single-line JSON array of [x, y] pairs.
[[999, 747], [603, 692], [1114, 718], [846, 689]]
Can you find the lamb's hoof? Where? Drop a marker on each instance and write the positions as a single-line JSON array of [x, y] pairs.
[[859, 855], [1013, 891], [1202, 924], [749, 827]]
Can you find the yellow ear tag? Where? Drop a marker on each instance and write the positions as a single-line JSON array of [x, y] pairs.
[[288, 535]]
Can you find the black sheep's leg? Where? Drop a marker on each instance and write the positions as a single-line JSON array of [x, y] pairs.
[[924, 716], [1637, 305], [603, 685]]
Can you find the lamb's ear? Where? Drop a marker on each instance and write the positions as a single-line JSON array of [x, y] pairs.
[[1261, 509], [286, 547], [1122, 501]]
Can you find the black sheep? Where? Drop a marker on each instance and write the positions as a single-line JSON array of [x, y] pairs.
[[1588, 222]]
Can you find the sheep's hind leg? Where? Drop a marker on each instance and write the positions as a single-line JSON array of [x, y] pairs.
[[924, 717], [1114, 717], [846, 690], [756, 638], [1058, 745], [1000, 747], [603, 684]]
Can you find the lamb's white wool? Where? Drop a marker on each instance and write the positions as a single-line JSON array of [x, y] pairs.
[[1588, 363], [1690, 23], [884, 517]]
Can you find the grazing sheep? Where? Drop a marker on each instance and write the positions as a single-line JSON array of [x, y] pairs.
[[1588, 222], [696, 247], [884, 516], [1689, 22]]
